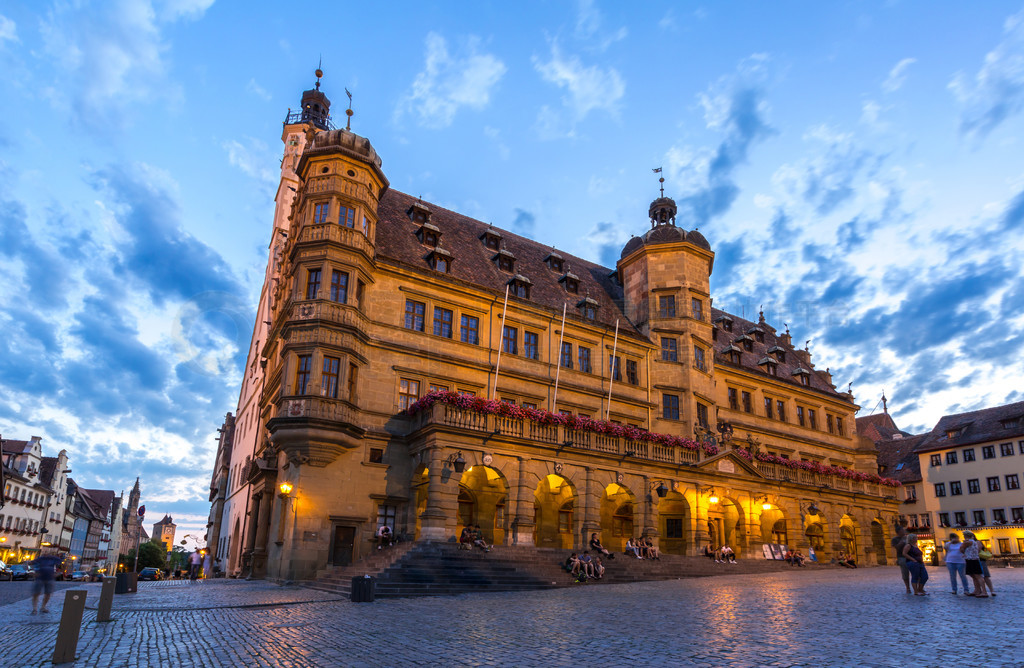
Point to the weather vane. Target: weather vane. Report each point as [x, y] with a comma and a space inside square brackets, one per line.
[661, 180]
[349, 112]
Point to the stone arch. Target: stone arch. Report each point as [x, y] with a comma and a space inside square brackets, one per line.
[419, 495]
[815, 531]
[774, 528]
[617, 516]
[879, 541]
[848, 539]
[726, 524]
[554, 512]
[235, 548]
[674, 519]
[483, 500]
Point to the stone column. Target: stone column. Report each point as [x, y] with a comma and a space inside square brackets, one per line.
[591, 518]
[754, 537]
[259, 553]
[650, 512]
[433, 519]
[522, 523]
[250, 533]
[700, 525]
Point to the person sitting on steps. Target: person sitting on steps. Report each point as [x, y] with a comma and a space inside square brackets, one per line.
[478, 539]
[571, 563]
[650, 551]
[708, 552]
[383, 536]
[595, 545]
[466, 538]
[631, 548]
[728, 556]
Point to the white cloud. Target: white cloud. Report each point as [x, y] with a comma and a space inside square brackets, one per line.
[171, 10]
[996, 92]
[8, 30]
[253, 158]
[588, 27]
[257, 90]
[448, 83]
[587, 89]
[897, 75]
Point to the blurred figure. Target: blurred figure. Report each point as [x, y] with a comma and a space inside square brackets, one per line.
[45, 566]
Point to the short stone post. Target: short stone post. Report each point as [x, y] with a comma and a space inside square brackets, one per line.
[70, 626]
[106, 599]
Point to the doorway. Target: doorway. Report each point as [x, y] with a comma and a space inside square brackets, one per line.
[341, 546]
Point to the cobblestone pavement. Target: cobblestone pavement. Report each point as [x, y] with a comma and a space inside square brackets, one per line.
[11, 592]
[858, 618]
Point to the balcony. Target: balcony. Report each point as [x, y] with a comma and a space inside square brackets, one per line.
[321, 309]
[344, 236]
[315, 430]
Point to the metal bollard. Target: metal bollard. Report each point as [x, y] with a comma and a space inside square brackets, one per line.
[106, 599]
[70, 626]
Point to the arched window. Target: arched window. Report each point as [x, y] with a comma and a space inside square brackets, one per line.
[779, 533]
[816, 536]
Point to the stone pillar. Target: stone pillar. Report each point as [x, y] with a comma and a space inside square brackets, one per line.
[650, 512]
[433, 519]
[700, 526]
[523, 523]
[755, 538]
[250, 533]
[591, 517]
[259, 553]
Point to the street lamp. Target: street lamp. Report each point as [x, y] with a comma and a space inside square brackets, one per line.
[765, 504]
[286, 489]
[456, 462]
[711, 499]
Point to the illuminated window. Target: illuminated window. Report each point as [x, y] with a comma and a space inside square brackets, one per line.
[408, 392]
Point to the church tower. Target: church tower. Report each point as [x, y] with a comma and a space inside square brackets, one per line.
[131, 522]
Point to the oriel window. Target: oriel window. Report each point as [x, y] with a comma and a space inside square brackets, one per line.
[302, 373]
[329, 377]
[320, 212]
[339, 287]
[312, 283]
[346, 216]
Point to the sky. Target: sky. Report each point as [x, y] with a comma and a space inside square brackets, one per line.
[855, 166]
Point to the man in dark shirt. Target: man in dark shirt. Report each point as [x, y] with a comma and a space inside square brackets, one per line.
[897, 542]
[45, 566]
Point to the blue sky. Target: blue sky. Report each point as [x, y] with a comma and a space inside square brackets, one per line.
[856, 167]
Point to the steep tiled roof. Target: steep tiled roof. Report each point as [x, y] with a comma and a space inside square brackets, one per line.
[898, 459]
[988, 424]
[12, 447]
[795, 359]
[473, 262]
[877, 427]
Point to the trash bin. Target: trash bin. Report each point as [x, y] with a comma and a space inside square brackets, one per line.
[363, 589]
[126, 583]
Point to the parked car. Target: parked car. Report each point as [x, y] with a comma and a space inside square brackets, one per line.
[5, 572]
[21, 572]
[150, 574]
[80, 576]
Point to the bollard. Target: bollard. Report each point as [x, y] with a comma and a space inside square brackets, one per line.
[106, 599]
[70, 625]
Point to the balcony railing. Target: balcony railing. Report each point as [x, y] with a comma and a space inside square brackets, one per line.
[563, 436]
[321, 309]
[314, 407]
[346, 236]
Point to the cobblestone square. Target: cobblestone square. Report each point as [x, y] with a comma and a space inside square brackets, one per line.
[824, 617]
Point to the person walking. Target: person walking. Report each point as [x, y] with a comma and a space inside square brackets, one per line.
[45, 566]
[970, 548]
[207, 566]
[915, 564]
[956, 563]
[898, 542]
[195, 560]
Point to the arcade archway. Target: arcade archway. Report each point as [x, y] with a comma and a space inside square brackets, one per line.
[725, 520]
[674, 517]
[554, 505]
[617, 516]
[483, 495]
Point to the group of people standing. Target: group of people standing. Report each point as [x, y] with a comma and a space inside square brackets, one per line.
[964, 558]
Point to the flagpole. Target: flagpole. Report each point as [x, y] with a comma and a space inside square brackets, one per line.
[611, 374]
[501, 344]
[558, 357]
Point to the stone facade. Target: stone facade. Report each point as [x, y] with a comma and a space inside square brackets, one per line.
[639, 409]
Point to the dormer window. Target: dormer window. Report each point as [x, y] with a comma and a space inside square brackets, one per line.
[780, 353]
[726, 322]
[803, 375]
[1010, 423]
[769, 365]
[506, 260]
[952, 433]
[571, 283]
[440, 260]
[419, 213]
[588, 308]
[733, 354]
[758, 334]
[714, 334]
[554, 262]
[746, 342]
[520, 287]
[428, 235]
[491, 238]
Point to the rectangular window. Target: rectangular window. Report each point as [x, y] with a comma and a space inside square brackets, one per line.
[565, 359]
[353, 376]
[800, 415]
[329, 377]
[999, 515]
[434, 387]
[697, 308]
[768, 412]
[936, 460]
[530, 348]
[702, 415]
[955, 489]
[951, 457]
[414, 315]
[748, 404]
[993, 483]
[1012, 481]
[668, 349]
[320, 212]
[960, 518]
[529, 404]
[510, 340]
[670, 406]
[302, 373]
[839, 426]
[673, 527]
[780, 408]
[408, 393]
[973, 486]
[828, 424]
[442, 322]
[632, 375]
[376, 455]
[812, 418]
[470, 330]
[584, 357]
[911, 492]
[312, 283]
[615, 367]
[979, 517]
[1006, 449]
[339, 287]
[988, 452]
[698, 358]
[969, 455]
[940, 489]
[1017, 515]
[667, 306]
[346, 216]
[734, 400]
[386, 515]
[944, 519]
[1020, 447]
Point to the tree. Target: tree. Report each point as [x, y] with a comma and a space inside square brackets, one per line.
[177, 558]
[153, 553]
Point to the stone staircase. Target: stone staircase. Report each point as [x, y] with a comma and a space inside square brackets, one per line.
[442, 569]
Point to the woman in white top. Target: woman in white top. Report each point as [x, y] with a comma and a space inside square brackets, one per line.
[969, 548]
[956, 563]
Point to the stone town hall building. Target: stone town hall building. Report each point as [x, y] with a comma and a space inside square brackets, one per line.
[640, 411]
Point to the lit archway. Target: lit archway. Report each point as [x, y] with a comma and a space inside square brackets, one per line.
[674, 517]
[420, 480]
[483, 495]
[725, 525]
[618, 507]
[554, 504]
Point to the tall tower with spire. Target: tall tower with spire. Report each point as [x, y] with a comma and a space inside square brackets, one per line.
[131, 522]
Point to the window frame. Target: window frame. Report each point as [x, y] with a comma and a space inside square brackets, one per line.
[321, 210]
[442, 327]
[303, 373]
[669, 406]
[415, 315]
[584, 358]
[993, 483]
[531, 345]
[940, 489]
[313, 276]
[666, 306]
[469, 328]
[669, 349]
[407, 394]
[330, 376]
[339, 286]
[510, 339]
[565, 356]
